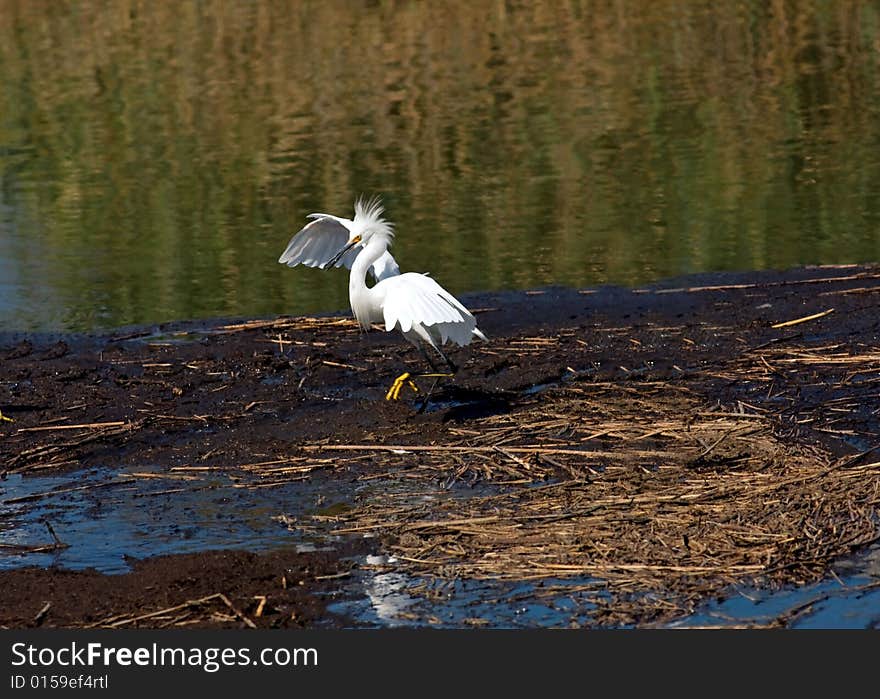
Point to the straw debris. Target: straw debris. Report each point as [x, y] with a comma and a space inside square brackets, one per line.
[645, 496]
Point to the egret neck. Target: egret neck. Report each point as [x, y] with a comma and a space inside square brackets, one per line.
[358, 291]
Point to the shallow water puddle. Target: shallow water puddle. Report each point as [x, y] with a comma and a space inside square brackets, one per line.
[391, 599]
[852, 601]
[105, 517]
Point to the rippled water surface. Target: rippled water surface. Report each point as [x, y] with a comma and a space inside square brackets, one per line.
[156, 157]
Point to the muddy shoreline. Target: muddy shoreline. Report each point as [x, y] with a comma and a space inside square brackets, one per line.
[281, 400]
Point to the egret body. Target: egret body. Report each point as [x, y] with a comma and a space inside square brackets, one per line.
[416, 305]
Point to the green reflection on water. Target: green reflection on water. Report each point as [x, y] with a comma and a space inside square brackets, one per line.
[156, 157]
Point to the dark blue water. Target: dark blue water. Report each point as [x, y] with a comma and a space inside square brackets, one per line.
[108, 517]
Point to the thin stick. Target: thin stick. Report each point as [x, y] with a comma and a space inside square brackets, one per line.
[327, 362]
[168, 610]
[85, 426]
[236, 611]
[758, 285]
[41, 615]
[60, 544]
[513, 458]
[60, 491]
[532, 449]
[797, 321]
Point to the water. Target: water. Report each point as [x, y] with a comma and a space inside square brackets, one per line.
[155, 158]
[107, 518]
[384, 599]
[389, 600]
[849, 600]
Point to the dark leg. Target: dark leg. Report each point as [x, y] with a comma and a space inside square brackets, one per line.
[427, 397]
[438, 374]
[448, 361]
[428, 358]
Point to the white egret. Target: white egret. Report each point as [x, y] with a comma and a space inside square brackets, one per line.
[423, 311]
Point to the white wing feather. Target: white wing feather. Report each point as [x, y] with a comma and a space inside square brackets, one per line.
[415, 299]
[318, 241]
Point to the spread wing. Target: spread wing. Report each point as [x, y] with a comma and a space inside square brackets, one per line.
[415, 299]
[318, 241]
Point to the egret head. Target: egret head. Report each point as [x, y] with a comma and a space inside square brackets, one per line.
[368, 223]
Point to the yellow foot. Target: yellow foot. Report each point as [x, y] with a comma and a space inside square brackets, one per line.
[3, 418]
[394, 391]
